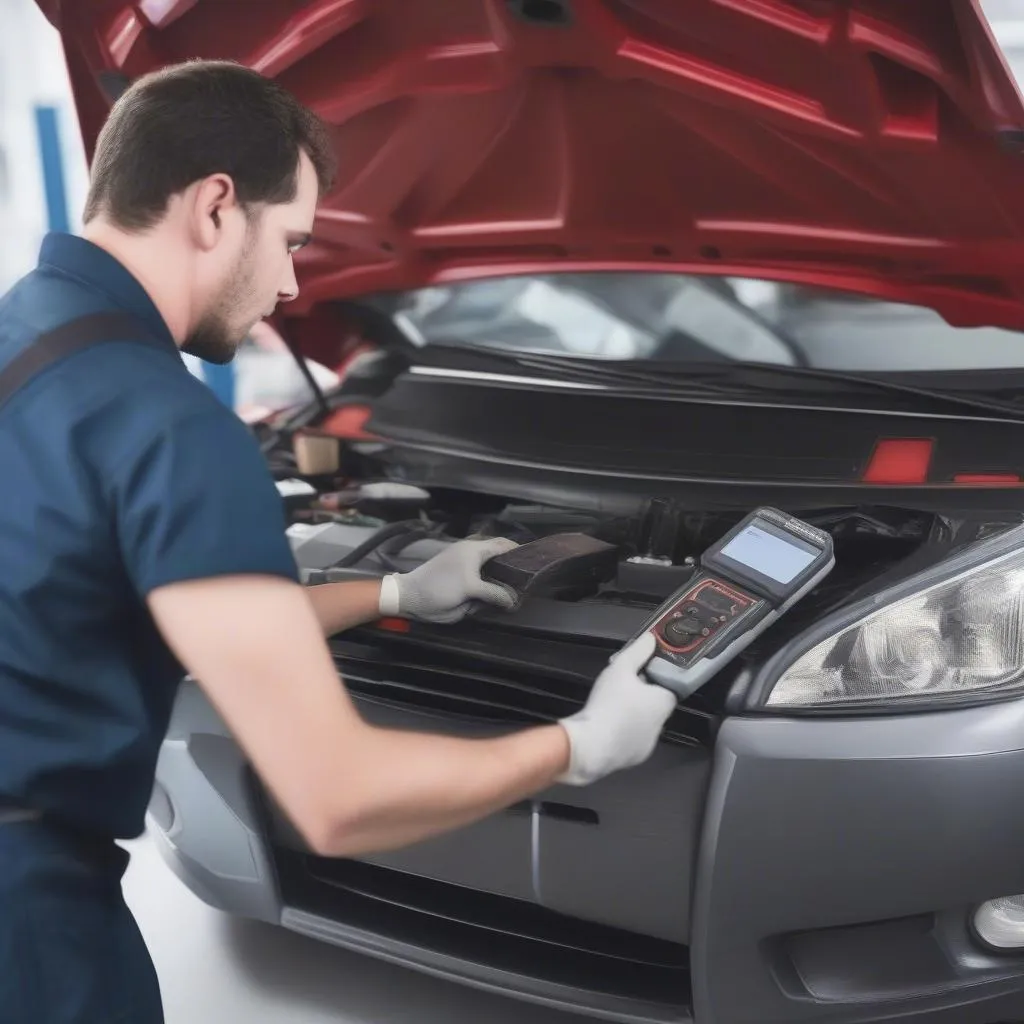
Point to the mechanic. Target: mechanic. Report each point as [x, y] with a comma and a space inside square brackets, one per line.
[142, 537]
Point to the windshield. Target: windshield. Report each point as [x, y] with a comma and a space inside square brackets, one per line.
[684, 318]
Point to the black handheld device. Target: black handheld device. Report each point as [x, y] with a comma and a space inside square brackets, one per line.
[746, 581]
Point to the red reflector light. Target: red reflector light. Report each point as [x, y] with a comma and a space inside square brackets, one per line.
[394, 625]
[990, 479]
[348, 422]
[899, 461]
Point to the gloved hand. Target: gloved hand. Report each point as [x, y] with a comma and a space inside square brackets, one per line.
[620, 724]
[445, 588]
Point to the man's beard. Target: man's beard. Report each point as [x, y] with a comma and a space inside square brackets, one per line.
[214, 339]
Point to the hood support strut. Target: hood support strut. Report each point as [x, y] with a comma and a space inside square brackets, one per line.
[318, 395]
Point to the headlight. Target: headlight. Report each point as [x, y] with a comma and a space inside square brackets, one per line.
[964, 634]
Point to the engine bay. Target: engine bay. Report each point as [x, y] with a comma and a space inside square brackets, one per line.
[369, 529]
[390, 527]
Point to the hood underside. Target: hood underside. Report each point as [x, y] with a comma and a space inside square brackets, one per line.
[869, 145]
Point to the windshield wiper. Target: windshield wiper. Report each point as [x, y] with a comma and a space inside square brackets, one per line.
[578, 370]
[746, 374]
[725, 380]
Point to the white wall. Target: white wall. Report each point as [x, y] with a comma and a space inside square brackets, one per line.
[32, 73]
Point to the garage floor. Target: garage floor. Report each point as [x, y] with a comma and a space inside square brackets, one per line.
[213, 969]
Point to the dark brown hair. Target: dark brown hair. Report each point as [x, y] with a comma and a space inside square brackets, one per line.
[183, 123]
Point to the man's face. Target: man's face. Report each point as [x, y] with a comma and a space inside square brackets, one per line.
[258, 273]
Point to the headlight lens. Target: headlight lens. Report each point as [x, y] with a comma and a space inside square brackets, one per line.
[964, 634]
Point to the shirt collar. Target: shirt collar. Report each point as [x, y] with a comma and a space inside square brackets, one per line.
[96, 268]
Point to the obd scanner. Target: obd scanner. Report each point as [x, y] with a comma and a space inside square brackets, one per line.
[746, 581]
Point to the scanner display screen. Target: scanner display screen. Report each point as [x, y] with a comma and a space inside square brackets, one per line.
[768, 554]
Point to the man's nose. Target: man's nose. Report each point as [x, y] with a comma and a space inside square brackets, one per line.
[290, 288]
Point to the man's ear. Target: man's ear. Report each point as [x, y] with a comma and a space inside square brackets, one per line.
[212, 199]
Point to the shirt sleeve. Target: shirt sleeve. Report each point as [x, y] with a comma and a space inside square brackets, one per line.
[198, 500]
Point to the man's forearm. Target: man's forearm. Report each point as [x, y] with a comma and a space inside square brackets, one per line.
[403, 787]
[255, 644]
[340, 606]
[408, 786]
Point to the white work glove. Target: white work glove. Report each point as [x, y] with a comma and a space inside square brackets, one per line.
[445, 588]
[622, 720]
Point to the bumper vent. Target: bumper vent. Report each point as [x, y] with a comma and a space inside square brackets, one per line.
[509, 938]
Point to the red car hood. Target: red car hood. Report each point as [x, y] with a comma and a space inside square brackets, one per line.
[872, 145]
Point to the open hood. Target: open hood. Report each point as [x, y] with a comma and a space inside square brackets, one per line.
[872, 145]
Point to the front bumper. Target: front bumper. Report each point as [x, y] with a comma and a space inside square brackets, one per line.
[836, 867]
[841, 862]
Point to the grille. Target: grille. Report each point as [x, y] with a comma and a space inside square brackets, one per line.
[517, 680]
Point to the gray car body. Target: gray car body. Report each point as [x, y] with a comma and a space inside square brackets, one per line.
[814, 870]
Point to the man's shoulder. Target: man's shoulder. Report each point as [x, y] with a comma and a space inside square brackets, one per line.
[118, 407]
[36, 304]
[140, 376]
[146, 394]
[171, 431]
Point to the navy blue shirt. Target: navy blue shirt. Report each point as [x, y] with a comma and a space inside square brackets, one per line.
[119, 472]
